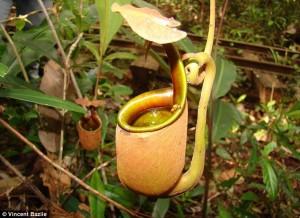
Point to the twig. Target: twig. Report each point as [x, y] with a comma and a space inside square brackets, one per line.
[60, 168]
[41, 196]
[61, 50]
[25, 75]
[67, 72]
[86, 177]
[72, 48]
[29, 184]
[25, 15]
[65, 87]
[224, 8]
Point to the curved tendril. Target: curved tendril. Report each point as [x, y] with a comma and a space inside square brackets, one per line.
[190, 178]
[196, 61]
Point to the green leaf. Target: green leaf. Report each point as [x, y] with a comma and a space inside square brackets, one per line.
[14, 82]
[93, 48]
[186, 45]
[3, 70]
[161, 208]
[222, 152]
[122, 195]
[40, 98]
[225, 116]
[120, 55]
[109, 22]
[180, 211]
[105, 122]
[269, 148]
[249, 196]
[269, 178]
[119, 90]
[294, 112]
[20, 24]
[223, 212]
[71, 204]
[144, 4]
[195, 192]
[97, 206]
[31, 45]
[254, 159]
[225, 76]
[109, 68]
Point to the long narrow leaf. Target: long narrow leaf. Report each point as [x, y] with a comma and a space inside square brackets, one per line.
[161, 208]
[269, 178]
[97, 206]
[40, 98]
[109, 22]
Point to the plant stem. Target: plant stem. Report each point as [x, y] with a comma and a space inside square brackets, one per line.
[207, 172]
[25, 75]
[19, 17]
[68, 173]
[191, 177]
[60, 48]
[211, 29]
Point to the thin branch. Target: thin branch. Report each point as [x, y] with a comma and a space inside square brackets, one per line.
[224, 8]
[67, 72]
[64, 95]
[41, 196]
[61, 50]
[60, 168]
[72, 48]
[88, 175]
[25, 75]
[22, 16]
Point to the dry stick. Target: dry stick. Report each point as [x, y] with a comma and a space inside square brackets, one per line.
[72, 176]
[86, 177]
[25, 75]
[67, 72]
[41, 196]
[22, 16]
[63, 54]
[220, 26]
[29, 184]
[72, 48]
[65, 87]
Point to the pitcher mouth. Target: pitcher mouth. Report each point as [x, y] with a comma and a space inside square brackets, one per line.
[160, 99]
[169, 103]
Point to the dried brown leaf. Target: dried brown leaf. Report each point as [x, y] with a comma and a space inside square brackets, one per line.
[85, 102]
[8, 184]
[56, 181]
[150, 24]
[52, 84]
